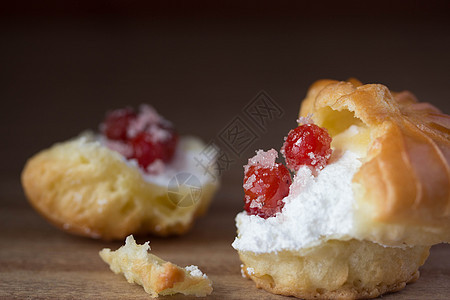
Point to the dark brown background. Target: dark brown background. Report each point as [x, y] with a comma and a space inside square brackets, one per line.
[64, 63]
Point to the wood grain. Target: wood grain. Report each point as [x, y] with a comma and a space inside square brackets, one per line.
[39, 261]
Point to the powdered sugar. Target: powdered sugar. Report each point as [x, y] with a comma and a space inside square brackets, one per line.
[305, 120]
[158, 134]
[299, 142]
[250, 271]
[156, 167]
[242, 271]
[256, 203]
[265, 159]
[312, 156]
[195, 271]
[317, 208]
[248, 184]
[147, 116]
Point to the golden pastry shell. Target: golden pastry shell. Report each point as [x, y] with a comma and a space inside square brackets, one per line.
[402, 189]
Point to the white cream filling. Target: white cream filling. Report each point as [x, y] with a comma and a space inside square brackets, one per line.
[188, 158]
[317, 208]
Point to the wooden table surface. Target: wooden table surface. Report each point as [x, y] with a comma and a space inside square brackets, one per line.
[38, 261]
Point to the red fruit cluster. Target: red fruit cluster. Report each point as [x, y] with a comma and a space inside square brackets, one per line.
[266, 186]
[155, 140]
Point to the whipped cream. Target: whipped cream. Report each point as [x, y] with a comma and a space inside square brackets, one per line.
[185, 160]
[317, 208]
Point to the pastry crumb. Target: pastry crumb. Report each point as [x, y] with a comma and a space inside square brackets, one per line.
[157, 276]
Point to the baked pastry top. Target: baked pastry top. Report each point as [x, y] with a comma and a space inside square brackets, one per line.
[158, 277]
[402, 188]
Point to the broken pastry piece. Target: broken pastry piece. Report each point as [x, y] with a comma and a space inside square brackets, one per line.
[158, 277]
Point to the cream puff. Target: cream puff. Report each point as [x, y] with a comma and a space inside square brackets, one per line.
[370, 194]
[135, 176]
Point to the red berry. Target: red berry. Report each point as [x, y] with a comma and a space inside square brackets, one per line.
[308, 144]
[265, 188]
[154, 143]
[144, 149]
[116, 123]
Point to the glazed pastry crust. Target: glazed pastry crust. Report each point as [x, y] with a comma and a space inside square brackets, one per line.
[335, 270]
[403, 187]
[158, 277]
[87, 189]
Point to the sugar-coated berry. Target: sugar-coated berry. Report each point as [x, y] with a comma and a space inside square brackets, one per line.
[265, 188]
[144, 149]
[147, 147]
[145, 137]
[116, 123]
[308, 144]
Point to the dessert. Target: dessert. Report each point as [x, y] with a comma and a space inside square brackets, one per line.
[135, 176]
[158, 277]
[369, 196]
